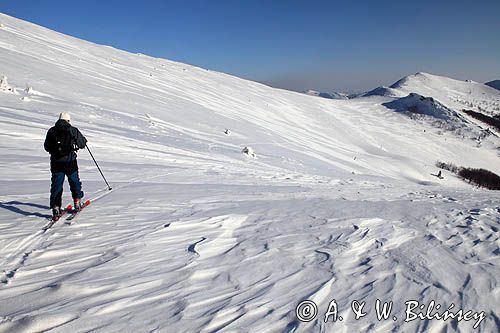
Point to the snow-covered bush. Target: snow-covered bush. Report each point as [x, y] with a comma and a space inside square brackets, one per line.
[448, 166]
[4, 85]
[227, 132]
[3, 82]
[248, 151]
[29, 90]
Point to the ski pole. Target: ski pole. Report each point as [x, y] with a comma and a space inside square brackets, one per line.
[109, 187]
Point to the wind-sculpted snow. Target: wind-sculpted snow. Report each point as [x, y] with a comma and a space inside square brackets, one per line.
[337, 203]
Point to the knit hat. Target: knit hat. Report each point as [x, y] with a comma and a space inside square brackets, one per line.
[65, 116]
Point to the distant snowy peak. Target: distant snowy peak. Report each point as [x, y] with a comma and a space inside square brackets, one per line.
[454, 94]
[421, 80]
[494, 84]
[408, 84]
[400, 88]
[420, 77]
[329, 95]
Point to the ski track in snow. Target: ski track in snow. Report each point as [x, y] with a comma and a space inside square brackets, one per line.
[339, 201]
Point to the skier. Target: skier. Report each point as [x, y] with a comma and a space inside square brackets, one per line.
[62, 142]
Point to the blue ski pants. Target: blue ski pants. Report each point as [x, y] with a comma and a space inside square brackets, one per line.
[57, 182]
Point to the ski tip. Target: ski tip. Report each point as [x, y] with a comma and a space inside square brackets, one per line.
[87, 202]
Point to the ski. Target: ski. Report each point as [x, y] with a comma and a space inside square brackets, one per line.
[70, 218]
[53, 221]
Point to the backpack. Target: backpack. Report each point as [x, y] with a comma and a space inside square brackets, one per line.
[64, 143]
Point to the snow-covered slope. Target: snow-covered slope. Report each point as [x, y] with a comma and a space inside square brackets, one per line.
[338, 202]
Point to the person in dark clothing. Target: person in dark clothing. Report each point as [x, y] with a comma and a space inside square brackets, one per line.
[62, 142]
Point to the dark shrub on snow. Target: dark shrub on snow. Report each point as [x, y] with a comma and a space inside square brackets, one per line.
[481, 177]
[492, 121]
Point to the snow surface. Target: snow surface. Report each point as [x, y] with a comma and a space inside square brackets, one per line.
[338, 203]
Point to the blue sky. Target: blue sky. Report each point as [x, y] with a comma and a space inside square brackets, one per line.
[323, 45]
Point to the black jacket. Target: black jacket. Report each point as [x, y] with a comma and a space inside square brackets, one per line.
[50, 145]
